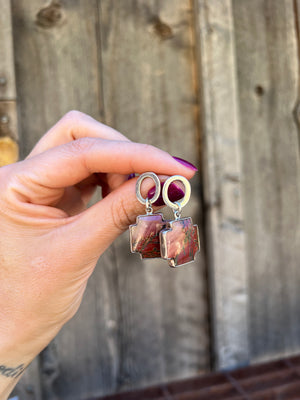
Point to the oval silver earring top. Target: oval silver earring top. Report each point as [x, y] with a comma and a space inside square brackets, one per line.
[178, 205]
[139, 196]
[144, 235]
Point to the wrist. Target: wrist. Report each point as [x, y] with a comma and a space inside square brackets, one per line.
[15, 357]
[16, 353]
[11, 370]
[9, 376]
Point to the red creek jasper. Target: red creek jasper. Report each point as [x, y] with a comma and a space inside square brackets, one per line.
[144, 235]
[179, 241]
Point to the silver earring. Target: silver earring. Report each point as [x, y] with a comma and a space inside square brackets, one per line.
[179, 241]
[144, 235]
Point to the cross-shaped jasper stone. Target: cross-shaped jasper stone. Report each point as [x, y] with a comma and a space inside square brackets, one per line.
[179, 242]
[144, 235]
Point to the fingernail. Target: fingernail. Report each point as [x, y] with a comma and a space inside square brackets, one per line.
[175, 193]
[131, 176]
[186, 163]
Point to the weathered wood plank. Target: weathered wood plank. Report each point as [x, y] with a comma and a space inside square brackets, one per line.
[8, 111]
[56, 51]
[56, 63]
[223, 176]
[138, 324]
[30, 387]
[268, 79]
[149, 94]
[7, 73]
[8, 119]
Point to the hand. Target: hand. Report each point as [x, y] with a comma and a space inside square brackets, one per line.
[50, 241]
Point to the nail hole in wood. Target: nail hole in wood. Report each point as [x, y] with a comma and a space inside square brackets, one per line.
[259, 90]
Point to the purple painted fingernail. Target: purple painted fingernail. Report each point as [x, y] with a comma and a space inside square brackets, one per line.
[175, 193]
[186, 163]
[131, 176]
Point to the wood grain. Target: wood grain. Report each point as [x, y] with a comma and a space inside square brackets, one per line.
[222, 167]
[7, 72]
[64, 74]
[8, 119]
[267, 50]
[217, 83]
[138, 323]
[8, 110]
[149, 94]
[57, 70]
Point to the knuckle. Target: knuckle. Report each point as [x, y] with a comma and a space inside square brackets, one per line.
[73, 116]
[148, 148]
[80, 148]
[9, 188]
[71, 120]
[121, 216]
[81, 145]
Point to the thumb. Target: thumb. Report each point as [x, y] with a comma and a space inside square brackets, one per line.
[101, 224]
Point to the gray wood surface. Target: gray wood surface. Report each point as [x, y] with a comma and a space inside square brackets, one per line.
[132, 67]
[30, 388]
[222, 182]
[149, 93]
[8, 119]
[7, 72]
[217, 83]
[267, 54]
[64, 75]
[8, 110]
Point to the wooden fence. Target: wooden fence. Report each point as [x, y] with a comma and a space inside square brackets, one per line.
[215, 82]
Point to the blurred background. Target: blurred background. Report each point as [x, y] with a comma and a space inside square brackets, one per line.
[215, 82]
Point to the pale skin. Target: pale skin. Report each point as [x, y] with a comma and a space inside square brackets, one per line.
[50, 241]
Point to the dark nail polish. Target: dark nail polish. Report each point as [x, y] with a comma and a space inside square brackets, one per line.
[131, 176]
[186, 163]
[175, 193]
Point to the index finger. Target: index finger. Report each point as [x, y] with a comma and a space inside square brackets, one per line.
[70, 163]
[75, 125]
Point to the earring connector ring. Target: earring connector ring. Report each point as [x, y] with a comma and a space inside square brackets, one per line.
[179, 204]
[156, 180]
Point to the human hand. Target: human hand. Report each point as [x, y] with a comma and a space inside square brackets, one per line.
[50, 241]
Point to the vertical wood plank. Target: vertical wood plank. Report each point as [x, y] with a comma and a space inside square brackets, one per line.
[149, 94]
[268, 79]
[138, 323]
[8, 119]
[29, 387]
[56, 51]
[8, 111]
[56, 63]
[223, 177]
[7, 72]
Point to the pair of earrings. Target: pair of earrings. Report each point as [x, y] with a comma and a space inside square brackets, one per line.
[175, 241]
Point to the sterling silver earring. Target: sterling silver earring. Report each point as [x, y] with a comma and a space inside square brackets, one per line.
[179, 240]
[144, 235]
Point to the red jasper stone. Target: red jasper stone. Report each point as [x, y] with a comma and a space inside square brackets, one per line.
[179, 241]
[144, 235]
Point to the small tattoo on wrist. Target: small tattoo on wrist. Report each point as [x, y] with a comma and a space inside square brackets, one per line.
[11, 372]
